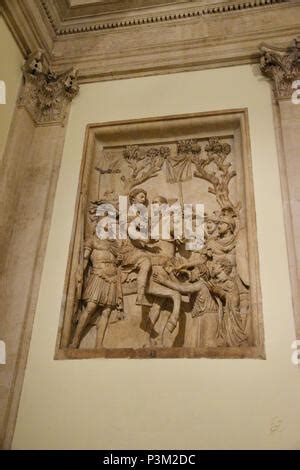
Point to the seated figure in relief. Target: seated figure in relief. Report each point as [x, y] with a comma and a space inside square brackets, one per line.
[135, 253]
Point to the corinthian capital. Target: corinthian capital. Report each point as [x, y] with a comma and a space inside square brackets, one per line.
[46, 94]
[282, 66]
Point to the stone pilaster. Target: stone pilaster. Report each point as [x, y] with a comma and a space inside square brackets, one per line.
[29, 174]
[282, 66]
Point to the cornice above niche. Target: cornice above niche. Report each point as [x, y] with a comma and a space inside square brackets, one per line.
[164, 38]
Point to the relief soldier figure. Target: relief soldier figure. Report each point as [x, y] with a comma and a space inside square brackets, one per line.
[101, 292]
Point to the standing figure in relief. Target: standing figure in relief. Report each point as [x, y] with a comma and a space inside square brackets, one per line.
[134, 252]
[232, 243]
[226, 289]
[102, 287]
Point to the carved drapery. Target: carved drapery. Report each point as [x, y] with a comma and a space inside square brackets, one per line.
[46, 94]
[281, 66]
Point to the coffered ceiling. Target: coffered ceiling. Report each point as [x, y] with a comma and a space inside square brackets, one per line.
[109, 39]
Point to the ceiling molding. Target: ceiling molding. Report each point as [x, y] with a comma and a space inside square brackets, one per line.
[88, 22]
[169, 38]
[120, 7]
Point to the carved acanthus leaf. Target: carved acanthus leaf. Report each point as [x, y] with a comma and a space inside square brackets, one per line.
[282, 66]
[46, 94]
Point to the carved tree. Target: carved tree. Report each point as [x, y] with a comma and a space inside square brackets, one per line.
[189, 147]
[143, 164]
[217, 154]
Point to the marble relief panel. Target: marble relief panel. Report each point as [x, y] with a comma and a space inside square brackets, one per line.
[133, 290]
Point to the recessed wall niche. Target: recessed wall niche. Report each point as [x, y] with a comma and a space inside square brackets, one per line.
[154, 298]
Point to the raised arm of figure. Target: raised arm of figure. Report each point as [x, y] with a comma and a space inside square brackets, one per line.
[183, 288]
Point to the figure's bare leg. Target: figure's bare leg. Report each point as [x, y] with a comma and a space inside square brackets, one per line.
[161, 291]
[154, 313]
[144, 266]
[153, 317]
[102, 326]
[82, 324]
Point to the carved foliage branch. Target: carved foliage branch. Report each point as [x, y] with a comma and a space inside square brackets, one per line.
[216, 153]
[45, 93]
[143, 164]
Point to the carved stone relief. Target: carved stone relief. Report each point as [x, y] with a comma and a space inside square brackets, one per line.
[129, 297]
[46, 94]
